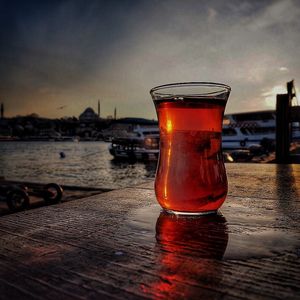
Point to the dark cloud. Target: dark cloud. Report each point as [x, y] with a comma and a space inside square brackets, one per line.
[55, 53]
[59, 41]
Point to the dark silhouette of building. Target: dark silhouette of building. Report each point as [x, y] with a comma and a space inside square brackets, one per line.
[115, 114]
[98, 108]
[88, 115]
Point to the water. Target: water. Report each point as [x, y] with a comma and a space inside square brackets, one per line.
[85, 164]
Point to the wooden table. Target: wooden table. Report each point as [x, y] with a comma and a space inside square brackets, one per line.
[118, 245]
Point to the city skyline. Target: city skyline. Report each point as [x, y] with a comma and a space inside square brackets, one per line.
[59, 57]
[96, 111]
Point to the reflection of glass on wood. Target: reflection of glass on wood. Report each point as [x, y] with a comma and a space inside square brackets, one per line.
[190, 250]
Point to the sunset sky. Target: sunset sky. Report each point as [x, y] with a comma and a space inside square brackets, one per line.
[59, 57]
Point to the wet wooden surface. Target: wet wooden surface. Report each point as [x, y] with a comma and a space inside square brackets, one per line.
[118, 245]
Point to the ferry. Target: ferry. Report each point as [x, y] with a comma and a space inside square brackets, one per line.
[141, 144]
[240, 131]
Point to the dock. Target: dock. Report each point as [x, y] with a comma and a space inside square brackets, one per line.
[120, 245]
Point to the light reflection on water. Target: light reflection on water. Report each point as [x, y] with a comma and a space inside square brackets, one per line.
[85, 164]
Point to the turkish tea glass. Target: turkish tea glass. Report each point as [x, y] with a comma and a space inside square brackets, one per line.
[191, 176]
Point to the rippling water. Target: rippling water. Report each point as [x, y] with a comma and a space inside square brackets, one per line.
[85, 164]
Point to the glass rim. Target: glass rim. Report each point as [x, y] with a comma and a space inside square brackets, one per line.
[223, 88]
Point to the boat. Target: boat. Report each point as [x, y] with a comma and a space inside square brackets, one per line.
[140, 144]
[240, 131]
[243, 130]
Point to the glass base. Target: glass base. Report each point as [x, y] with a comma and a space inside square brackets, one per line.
[186, 213]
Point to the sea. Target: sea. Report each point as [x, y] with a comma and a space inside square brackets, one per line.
[86, 164]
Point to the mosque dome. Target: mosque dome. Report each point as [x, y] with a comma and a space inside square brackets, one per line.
[88, 115]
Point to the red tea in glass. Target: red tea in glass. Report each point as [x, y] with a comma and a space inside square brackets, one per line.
[191, 176]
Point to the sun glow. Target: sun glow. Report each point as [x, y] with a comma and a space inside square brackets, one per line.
[270, 95]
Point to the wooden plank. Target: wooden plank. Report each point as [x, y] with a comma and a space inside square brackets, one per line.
[118, 245]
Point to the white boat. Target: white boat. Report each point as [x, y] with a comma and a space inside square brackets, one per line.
[141, 144]
[241, 130]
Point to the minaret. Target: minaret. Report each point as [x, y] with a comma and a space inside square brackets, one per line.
[115, 114]
[98, 108]
[2, 111]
